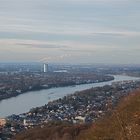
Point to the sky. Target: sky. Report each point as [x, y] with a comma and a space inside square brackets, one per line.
[70, 31]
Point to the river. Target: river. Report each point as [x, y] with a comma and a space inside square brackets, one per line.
[24, 102]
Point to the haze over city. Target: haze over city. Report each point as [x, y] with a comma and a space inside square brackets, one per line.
[70, 31]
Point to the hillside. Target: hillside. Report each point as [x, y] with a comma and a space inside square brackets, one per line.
[122, 124]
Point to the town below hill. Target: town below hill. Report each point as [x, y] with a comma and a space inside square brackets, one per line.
[121, 123]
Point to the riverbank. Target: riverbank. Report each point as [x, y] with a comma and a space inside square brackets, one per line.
[24, 102]
[82, 107]
[17, 84]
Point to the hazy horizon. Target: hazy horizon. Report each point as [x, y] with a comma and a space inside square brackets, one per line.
[70, 31]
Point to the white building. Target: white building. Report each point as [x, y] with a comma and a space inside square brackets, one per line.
[45, 68]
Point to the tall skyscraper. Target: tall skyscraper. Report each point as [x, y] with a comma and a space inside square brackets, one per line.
[45, 68]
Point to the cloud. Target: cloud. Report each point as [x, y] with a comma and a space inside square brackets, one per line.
[30, 43]
[67, 30]
[117, 34]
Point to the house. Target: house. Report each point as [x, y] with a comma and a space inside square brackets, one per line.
[2, 122]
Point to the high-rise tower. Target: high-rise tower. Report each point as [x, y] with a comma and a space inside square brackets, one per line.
[45, 68]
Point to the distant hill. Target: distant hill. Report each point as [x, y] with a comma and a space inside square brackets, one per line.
[123, 123]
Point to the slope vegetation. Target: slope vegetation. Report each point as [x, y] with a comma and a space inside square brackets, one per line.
[123, 124]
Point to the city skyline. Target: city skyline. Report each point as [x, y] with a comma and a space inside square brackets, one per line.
[70, 31]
